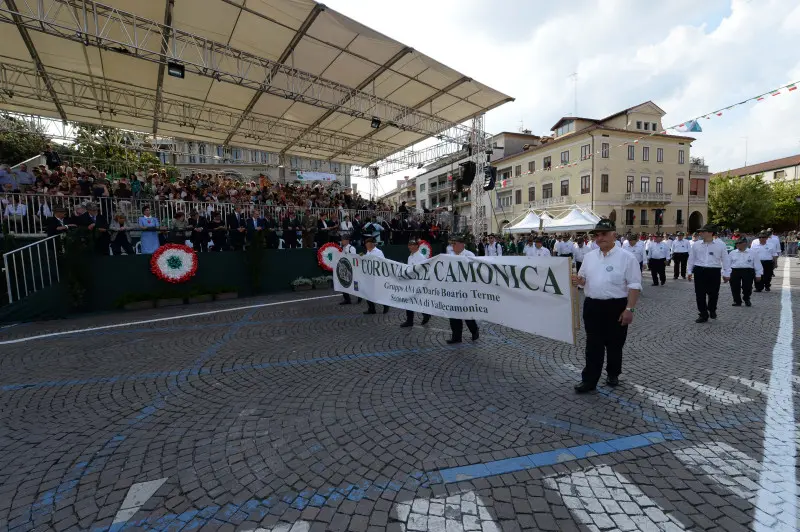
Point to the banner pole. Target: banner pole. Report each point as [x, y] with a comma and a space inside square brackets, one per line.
[576, 314]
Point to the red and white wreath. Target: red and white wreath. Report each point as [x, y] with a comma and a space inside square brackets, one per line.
[325, 255]
[425, 249]
[174, 263]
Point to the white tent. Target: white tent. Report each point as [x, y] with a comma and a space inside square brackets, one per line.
[531, 222]
[575, 220]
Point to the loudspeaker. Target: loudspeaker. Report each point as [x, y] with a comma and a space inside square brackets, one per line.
[467, 173]
[489, 177]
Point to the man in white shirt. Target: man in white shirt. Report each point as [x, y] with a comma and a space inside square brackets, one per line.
[612, 281]
[563, 247]
[680, 255]
[374, 252]
[766, 253]
[657, 259]
[347, 249]
[414, 257]
[708, 260]
[592, 244]
[493, 248]
[457, 326]
[538, 249]
[775, 242]
[745, 268]
[579, 251]
[636, 248]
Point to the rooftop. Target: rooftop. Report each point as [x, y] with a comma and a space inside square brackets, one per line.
[760, 168]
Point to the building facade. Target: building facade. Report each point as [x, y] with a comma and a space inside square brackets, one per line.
[404, 191]
[643, 184]
[784, 169]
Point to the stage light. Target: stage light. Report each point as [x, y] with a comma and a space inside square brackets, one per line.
[176, 70]
[376, 122]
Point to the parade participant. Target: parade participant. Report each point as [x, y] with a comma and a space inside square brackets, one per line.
[457, 326]
[695, 239]
[373, 251]
[680, 255]
[494, 248]
[414, 257]
[592, 245]
[775, 241]
[636, 248]
[707, 260]
[766, 253]
[579, 251]
[612, 282]
[745, 267]
[658, 256]
[565, 247]
[347, 249]
[539, 250]
[530, 247]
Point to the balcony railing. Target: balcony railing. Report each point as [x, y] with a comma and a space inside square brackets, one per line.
[648, 197]
[549, 202]
[698, 199]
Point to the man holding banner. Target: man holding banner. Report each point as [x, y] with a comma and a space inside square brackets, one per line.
[373, 251]
[415, 257]
[457, 325]
[612, 280]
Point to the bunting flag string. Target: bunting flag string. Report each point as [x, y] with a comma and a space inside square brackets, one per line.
[719, 112]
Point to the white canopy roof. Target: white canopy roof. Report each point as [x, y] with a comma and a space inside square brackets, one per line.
[575, 220]
[288, 76]
[526, 225]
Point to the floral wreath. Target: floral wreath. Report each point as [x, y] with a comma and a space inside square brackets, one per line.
[425, 249]
[174, 263]
[325, 255]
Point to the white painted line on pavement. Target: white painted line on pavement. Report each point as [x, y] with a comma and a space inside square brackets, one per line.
[726, 465]
[670, 403]
[760, 387]
[602, 498]
[156, 320]
[776, 504]
[457, 513]
[718, 394]
[136, 497]
[297, 526]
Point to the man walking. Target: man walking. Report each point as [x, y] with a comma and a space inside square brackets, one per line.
[767, 254]
[374, 252]
[414, 257]
[347, 249]
[658, 255]
[680, 255]
[612, 281]
[457, 326]
[707, 260]
[579, 251]
[494, 248]
[745, 267]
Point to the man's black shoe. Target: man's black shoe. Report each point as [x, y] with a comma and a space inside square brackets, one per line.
[584, 387]
[701, 319]
[712, 314]
[344, 302]
[426, 319]
[385, 310]
[475, 335]
[453, 341]
[736, 305]
[612, 381]
[748, 304]
[766, 289]
[655, 284]
[407, 324]
[663, 283]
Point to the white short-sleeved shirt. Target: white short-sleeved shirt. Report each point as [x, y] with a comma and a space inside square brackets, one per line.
[610, 276]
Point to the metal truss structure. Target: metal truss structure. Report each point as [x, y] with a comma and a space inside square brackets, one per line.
[108, 28]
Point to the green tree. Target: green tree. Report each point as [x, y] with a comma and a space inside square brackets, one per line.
[19, 141]
[107, 148]
[786, 208]
[743, 203]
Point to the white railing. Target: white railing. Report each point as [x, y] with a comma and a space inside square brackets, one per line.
[654, 197]
[31, 268]
[549, 202]
[698, 199]
[29, 221]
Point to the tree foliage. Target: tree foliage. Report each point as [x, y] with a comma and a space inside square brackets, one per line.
[107, 147]
[786, 208]
[743, 203]
[18, 140]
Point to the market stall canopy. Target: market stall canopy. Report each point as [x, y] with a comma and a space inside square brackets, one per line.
[288, 76]
[575, 220]
[531, 222]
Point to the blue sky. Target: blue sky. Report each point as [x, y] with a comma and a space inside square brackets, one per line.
[689, 56]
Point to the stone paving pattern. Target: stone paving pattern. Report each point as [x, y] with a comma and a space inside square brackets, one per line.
[311, 416]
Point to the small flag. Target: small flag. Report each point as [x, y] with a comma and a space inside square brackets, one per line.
[719, 114]
[691, 125]
[775, 93]
[792, 88]
[761, 98]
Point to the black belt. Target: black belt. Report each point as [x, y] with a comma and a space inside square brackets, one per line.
[707, 267]
[617, 300]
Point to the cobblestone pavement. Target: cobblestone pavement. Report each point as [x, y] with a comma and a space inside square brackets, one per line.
[276, 414]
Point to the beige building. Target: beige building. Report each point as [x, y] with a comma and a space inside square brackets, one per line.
[644, 184]
[785, 169]
[404, 191]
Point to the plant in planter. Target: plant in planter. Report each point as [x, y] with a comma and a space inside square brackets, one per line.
[302, 283]
[323, 281]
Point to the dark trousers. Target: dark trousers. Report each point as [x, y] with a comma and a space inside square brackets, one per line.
[120, 244]
[347, 299]
[578, 267]
[605, 337]
[766, 277]
[457, 327]
[658, 269]
[680, 264]
[410, 316]
[706, 289]
[742, 284]
[371, 307]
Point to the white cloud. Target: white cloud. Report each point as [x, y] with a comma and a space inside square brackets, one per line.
[690, 57]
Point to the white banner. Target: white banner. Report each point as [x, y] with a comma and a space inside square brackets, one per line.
[532, 294]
